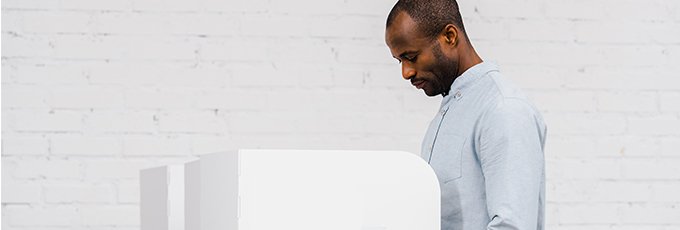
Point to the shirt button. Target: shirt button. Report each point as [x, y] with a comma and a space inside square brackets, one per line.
[457, 95]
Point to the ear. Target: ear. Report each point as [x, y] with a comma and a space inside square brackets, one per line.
[450, 33]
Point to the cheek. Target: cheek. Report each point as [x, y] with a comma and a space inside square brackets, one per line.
[429, 69]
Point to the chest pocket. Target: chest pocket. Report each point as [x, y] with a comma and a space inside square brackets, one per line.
[446, 159]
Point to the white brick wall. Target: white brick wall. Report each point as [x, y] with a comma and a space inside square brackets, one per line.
[92, 91]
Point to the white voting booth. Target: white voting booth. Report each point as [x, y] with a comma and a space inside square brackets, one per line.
[292, 189]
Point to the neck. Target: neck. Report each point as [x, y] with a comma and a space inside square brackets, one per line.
[468, 59]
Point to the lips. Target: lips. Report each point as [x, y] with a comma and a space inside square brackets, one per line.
[418, 83]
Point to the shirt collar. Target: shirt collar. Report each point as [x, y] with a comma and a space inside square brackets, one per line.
[466, 79]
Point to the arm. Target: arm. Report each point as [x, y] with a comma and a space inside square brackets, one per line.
[511, 156]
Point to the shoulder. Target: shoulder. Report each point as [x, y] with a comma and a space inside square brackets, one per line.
[510, 104]
[505, 87]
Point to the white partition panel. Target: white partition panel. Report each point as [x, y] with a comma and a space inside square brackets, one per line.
[162, 198]
[311, 189]
[192, 192]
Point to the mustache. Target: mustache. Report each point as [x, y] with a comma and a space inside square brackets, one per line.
[415, 79]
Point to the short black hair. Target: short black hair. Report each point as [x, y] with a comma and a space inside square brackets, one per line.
[431, 16]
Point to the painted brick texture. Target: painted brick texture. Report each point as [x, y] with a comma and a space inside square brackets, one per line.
[93, 91]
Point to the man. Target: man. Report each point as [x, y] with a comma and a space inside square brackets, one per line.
[486, 143]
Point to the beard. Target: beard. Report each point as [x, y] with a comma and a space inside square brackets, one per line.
[446, 72]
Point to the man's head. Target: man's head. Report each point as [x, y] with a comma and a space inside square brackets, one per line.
[428, 39]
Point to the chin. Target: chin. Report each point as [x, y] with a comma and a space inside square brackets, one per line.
[430, 93]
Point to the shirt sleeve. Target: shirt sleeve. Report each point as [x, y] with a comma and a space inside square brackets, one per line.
[511, 155]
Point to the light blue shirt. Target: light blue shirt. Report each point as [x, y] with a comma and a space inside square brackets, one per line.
[486, 147]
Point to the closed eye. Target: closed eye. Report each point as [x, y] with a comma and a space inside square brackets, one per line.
[411, 58]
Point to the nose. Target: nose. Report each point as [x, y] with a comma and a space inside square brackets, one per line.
[407, 71]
